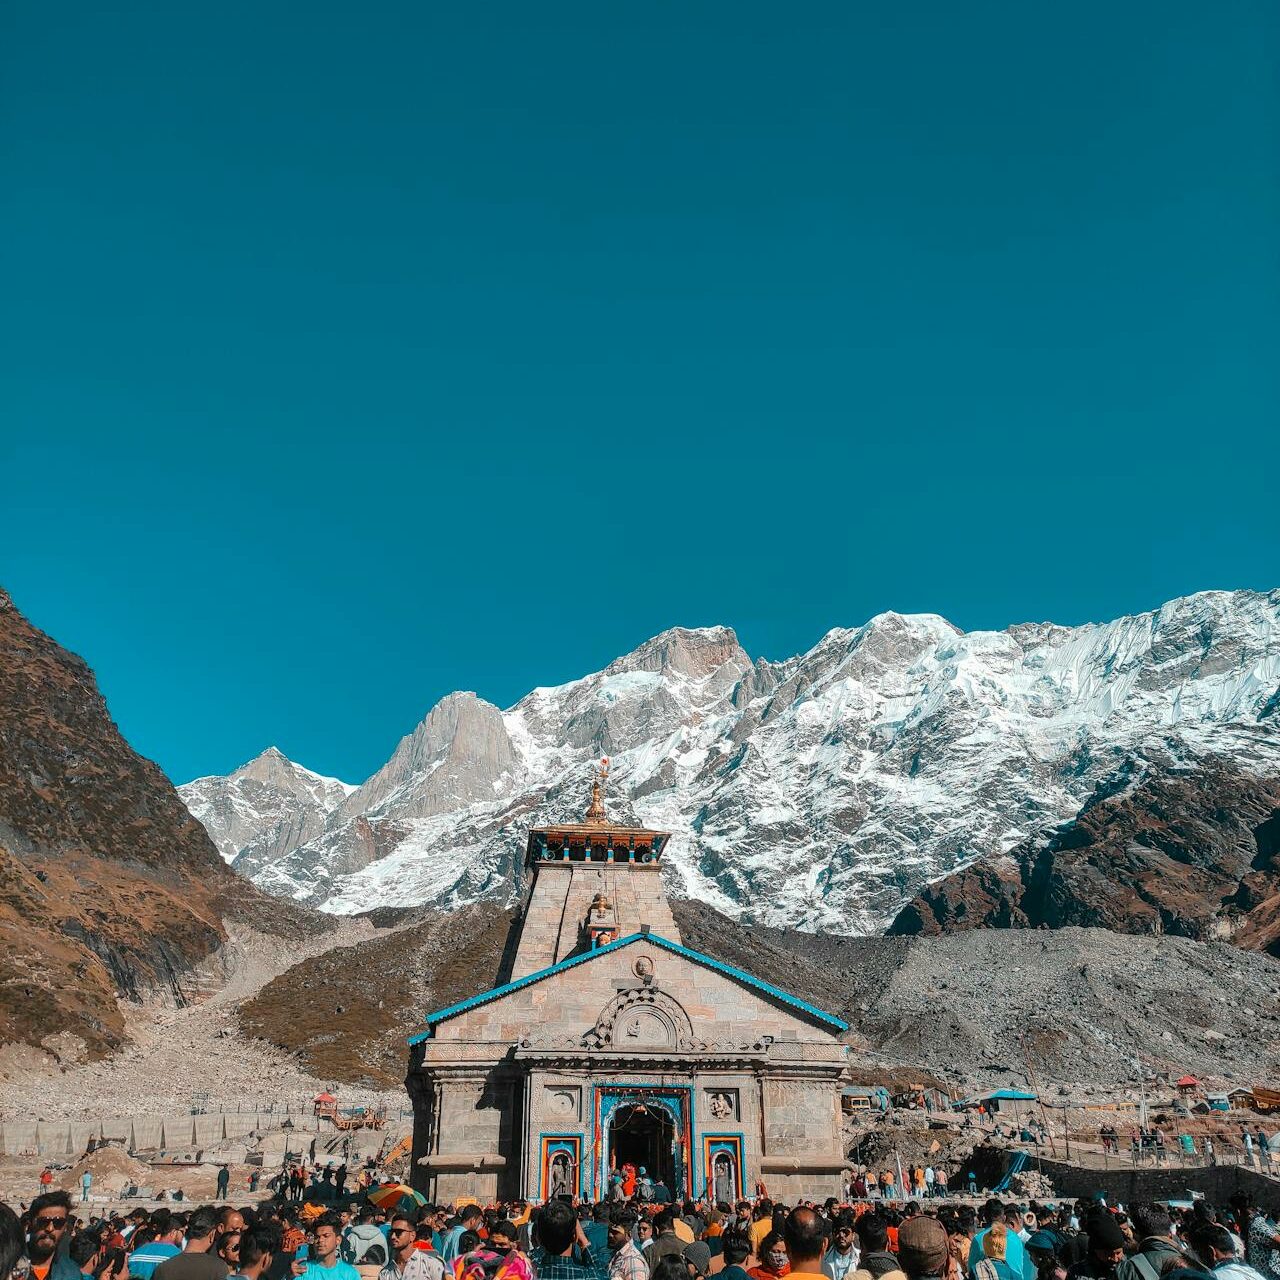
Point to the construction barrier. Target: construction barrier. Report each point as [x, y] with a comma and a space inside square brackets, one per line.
[179, 1133]
[146, 1133]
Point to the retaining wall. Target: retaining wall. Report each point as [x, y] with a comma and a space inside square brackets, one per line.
[174, 1133]
[1218, 1183]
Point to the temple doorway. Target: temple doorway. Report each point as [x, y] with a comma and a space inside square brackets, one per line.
[643, 1135]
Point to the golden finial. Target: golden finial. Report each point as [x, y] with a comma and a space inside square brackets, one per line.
[595, 813]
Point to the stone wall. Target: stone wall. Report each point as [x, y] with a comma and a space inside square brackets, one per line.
[801, 1118]
[1124, 1186]
[464, 1138]
[140, 1133]
[561, 898]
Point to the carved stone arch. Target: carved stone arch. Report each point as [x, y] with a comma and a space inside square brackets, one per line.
[643, 1018]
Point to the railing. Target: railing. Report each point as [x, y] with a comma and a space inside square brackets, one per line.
[203, 1105]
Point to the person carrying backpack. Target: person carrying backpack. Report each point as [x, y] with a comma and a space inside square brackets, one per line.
[364, 1246]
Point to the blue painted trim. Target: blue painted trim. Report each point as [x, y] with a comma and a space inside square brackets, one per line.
[658, 1095]
[740, 1155]
[774, 993]
[547, 1148]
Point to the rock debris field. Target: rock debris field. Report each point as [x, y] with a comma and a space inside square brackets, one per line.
[1085, 1002]
[177, 1055]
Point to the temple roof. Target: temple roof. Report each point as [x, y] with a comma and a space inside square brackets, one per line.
[829, 1021]
[572, 840]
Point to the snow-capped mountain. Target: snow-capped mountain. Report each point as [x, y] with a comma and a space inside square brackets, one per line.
[265, 809]
[822, 791]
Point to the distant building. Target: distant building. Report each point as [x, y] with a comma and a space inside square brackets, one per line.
[919, 1097]
[1006, 1104]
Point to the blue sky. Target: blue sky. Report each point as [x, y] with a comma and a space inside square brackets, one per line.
[354, 354]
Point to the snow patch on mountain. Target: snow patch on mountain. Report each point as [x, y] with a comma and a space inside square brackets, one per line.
[265, 808]
[821, 791]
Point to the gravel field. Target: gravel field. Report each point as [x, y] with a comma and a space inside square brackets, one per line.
[176, 1054]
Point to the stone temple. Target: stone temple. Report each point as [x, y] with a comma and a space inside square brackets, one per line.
[612, 1044]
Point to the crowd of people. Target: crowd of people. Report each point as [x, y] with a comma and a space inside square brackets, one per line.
[942, 1239]
[920, 1181]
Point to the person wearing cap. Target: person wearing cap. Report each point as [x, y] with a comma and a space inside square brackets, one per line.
[1043, 1248]
[1106, 1250]
[923, 1249]
[698, 1256]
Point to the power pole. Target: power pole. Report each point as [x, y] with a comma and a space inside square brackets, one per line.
[1035, 1084]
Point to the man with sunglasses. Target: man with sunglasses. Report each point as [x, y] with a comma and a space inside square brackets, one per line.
[842, 1258]
[256, 1251]
[48, 1222]
[408, 1262]
[230, 1223]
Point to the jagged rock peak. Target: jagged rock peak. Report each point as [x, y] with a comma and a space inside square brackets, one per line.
[461, 724]
[272, 766]
[891, 634]
[456, 754]
[686, 651]
[265, 807]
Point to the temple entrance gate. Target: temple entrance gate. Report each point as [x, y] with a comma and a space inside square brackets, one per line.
[646, 1129]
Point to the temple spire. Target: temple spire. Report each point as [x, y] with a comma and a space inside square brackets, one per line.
[595, 811]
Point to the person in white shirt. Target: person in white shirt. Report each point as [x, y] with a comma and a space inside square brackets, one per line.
[841, 1260]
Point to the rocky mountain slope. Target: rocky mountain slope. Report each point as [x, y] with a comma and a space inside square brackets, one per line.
[824, 791]
[973, 1008]
[1189, 851]
[342, 1027]
[108, 886]
[958, 1008]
